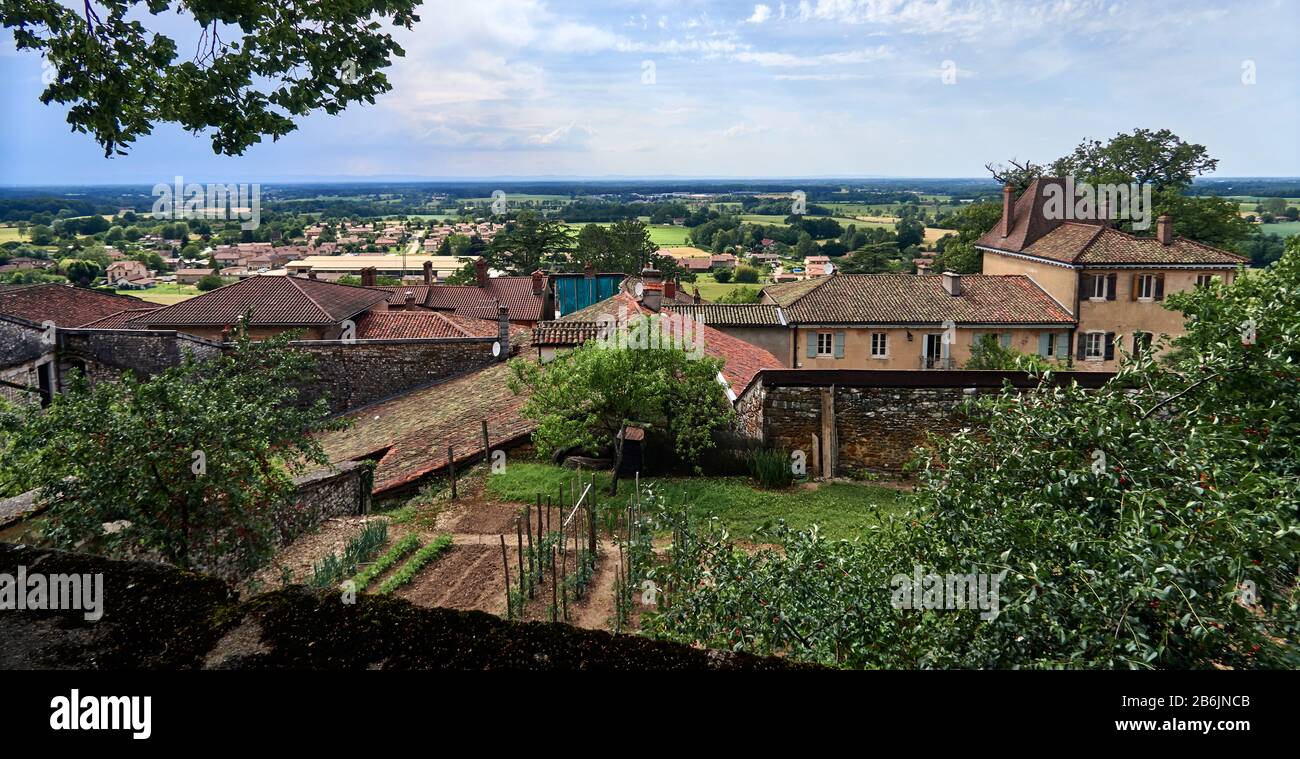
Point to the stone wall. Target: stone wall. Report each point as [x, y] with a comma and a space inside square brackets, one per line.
[872, 420]
[341, 490]
[103, 353]
[360, 372]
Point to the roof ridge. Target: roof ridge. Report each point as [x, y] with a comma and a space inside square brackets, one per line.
[1100, 229]
[295, 282]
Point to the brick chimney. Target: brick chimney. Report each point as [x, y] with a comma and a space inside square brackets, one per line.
[952, 283]
[1007, 204]
[428, 272]
[503, 332]
[410, 301]
[1165, 229]
[652, 289]
[670, 290]
[539, 282]
[369, 276]
[481, 271]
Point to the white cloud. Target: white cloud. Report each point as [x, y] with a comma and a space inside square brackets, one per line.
[761, 13]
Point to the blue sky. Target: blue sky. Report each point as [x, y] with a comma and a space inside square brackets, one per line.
[800, 89]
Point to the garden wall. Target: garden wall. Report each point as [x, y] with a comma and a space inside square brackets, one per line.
[849, 420]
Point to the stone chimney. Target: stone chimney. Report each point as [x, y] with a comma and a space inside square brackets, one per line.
[369, 276]
[428, 272]
[539, 282]
[670, 290]
[1165, 229]
[503, 332]
[410, 301]
[952, 283]
[1007, 204]
[481, 271]
[652, 289]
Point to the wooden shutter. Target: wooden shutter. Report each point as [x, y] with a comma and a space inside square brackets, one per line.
[1089, 287]
[1044, 347]
[812, 344]
[1137, 282]
[1082, 337]
[1112, 280]
[839, 344]
[1160, 287]
[1110, 346]
[1063, 345]
[1006, 339]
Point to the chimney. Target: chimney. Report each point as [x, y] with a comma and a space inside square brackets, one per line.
[410, 301]
[428, 272]
[696, 297]
[652, 289]
[670, 290]
[503, 332]
[368, 276]
[481, 271]
[539, 282]
[1007, 192]
[1165, 229]
[952, 283]
[311, 274]
[589, 270]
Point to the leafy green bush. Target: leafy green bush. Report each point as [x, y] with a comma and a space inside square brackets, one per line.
[410, 569]
[393, 555]
[770, 467]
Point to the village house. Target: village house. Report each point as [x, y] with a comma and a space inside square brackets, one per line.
[129, 275]
[1111, 283]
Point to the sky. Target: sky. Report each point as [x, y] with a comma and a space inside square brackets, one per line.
[818, 88]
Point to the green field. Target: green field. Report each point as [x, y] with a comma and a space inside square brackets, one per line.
[1283, 229]
[711, 289]
[165, 293]
[841, 510]
[10, 234]
[663, 235]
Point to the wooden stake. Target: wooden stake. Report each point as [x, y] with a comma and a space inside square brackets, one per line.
[451, 465]
[519, 535]
[532, 578]
[505, 564]
[487, 453]
[555, 606]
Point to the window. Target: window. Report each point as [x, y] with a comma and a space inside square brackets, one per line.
[825, 344]
[1099, 288]
[1096, 346]
[1146, 286]
[1204, 280]
[1049, 344]
[879, 345]
[1142, 342]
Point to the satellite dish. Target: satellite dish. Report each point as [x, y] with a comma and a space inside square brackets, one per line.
[640, 289]
[496, 348]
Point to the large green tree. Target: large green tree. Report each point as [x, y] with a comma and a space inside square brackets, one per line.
[258, 64]
[530, 243]
[194, 465]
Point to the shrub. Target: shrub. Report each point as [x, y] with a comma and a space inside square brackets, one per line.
[722, 276]
[770, 467]
[746, 274]
[393, 555]
[411, 568]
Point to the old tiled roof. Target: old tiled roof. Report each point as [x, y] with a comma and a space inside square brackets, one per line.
[397, 294]
[786, 293]
[410, 433]
[393, 325]
[119, 320]
[65, 305]
[922, 299]
[733, 315]
[273, 301]
[515, 293]
[565, 332]
[1082, 243]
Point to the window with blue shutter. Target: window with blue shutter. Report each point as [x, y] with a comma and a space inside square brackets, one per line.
[1045, 345]
[839, 344]
[1006, 339]
[812, 344]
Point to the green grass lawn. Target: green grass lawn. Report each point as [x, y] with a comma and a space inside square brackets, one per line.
[663, 235]
[1282, 229]
[711, 289]
[9, 234]
[841, 510]
[165, 293]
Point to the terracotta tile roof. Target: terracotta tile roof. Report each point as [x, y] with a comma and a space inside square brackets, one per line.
[394, 325]
[786, 293]
[921, 299]
[515, 293]
[565, 332]
[119, 320]
[733, 315]
[273, 301]
[397, 294]
[412, 431]
[1083, 243]
[65, 305]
